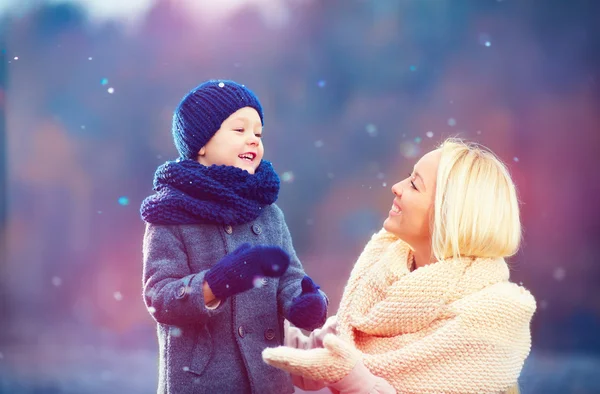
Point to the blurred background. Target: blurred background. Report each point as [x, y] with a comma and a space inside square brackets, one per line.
[354, 91]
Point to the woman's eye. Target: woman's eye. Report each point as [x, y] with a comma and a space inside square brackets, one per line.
[412, 184]
[239, 130]
[258, 135]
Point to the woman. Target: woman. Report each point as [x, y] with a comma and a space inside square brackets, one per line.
[429, 307]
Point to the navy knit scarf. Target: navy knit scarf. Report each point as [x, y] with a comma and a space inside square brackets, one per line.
[188, 192]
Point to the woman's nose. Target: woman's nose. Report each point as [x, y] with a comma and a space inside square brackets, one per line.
[397, 189]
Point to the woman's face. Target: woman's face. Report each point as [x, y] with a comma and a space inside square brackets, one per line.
[409, 218]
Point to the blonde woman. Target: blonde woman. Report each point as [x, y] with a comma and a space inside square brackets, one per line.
[429, 307]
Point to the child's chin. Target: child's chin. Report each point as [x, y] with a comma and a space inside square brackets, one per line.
[251, 169]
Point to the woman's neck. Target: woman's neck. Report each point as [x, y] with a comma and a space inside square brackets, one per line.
[422, 256]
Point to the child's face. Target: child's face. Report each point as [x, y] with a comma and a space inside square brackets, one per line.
[237, 143]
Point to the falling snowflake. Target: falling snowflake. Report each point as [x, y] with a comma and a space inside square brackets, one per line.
[429, 134]
[559, 274]
[175, 331]
[372, 130]
[485, 39]
[287, 177]
[409, 150]
[118, 296]
[319, 144]
[451, 122]
[257, 282]
[56, 281]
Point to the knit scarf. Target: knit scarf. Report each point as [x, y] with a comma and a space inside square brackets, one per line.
[188, 192]
[440, 327]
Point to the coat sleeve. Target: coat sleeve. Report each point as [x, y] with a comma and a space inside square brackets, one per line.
[172, 293]
[289, 283]
[481, 349]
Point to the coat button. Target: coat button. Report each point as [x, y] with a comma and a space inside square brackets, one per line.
[180, 292]
[264, 281]
[256, 229]
[269, 334]
[228, 229]
[241, 331]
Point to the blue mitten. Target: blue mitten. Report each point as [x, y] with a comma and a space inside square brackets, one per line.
[309, 309]
[236, 272]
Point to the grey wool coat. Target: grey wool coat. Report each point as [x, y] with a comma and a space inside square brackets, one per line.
[218, 350]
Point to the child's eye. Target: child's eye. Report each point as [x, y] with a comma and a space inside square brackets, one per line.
[258, 135]
[239, 130]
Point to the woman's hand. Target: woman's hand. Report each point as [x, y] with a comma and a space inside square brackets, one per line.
[329, 364]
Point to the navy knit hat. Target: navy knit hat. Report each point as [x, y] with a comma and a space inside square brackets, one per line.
[200, 113]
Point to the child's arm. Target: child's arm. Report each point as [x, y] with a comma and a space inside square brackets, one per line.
[299, 298]
[173, 295]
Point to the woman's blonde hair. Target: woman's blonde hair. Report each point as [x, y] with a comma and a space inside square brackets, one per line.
[476, 211]
[513, 390]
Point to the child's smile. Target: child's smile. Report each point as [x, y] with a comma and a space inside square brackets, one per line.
[240, 132]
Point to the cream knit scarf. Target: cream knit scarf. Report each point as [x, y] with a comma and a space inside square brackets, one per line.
[455, 326]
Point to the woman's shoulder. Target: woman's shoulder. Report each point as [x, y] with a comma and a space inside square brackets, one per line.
[503, 301]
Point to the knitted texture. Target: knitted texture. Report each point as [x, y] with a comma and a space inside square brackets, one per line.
[309, 309]
[329, 364]
[201, 112]
[455, 326]
[188, 192]
[238, 271]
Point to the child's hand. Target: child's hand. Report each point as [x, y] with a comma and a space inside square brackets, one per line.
[309, 309]
[237, 271]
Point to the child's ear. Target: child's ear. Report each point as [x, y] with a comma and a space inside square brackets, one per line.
[202, 151]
